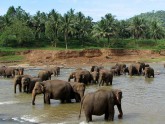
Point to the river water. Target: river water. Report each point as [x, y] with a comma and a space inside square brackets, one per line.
[143, 102]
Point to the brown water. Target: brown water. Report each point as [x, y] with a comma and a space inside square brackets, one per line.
[143, 102]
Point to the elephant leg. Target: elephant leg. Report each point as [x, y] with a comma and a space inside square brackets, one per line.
[120, 111]
[77, 98]
[88, 116]
[20, 88]
[15, 86]
[44, 99]
[47, 99]
[106, 116]
[111, 113]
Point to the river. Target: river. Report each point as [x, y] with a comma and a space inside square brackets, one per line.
[143, 102]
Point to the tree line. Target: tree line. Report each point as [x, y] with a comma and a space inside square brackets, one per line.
[20, 29]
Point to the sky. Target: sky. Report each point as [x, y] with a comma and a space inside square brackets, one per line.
[121, 9]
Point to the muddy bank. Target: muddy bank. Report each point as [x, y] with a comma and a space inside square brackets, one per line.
[88, 56]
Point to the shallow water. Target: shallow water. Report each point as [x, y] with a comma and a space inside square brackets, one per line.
[143, 102]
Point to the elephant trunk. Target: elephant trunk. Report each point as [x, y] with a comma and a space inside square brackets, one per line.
[15, 87]
[33, 97]
[120, 111]
[81, 94]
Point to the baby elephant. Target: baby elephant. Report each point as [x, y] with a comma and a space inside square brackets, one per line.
[102, 102]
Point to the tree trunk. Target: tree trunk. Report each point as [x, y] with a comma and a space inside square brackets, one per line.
[66, 43]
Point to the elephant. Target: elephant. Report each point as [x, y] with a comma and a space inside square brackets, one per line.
[83, 76]
[19, 71]
[53, 89]
[105, 76]
[95, 77]
[10, 72]
[2, 70]
[17, 81]
[120, 67]
[55, 71]
[28, 83]
[102, 102]
[132, 70]
[139, 67]
[125, 70]
[78, 90]
[116, 71]
[72, 76]
[96, 68]
[148, 72]
[44, 75]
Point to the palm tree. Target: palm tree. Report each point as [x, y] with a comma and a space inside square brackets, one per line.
[105, 28]
[123, 29]
[138, 27]
[52, 26]
[156, 30]
[39, 23]
[67, 25]
[83, 26]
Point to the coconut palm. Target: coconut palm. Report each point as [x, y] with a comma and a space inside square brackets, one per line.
[67, 25]
[138, 27]
[105, 28]
[156, 30]
[52, 27]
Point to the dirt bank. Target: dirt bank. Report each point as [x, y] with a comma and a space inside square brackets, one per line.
[88, 57]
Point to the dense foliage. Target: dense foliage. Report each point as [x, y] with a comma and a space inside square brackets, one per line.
[20, 29]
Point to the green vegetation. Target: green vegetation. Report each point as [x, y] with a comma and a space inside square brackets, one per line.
[11, 58]
[20, 31]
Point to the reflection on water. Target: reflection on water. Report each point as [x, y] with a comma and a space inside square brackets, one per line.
[143, 102]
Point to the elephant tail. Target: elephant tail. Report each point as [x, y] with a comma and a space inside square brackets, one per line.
[81, 107]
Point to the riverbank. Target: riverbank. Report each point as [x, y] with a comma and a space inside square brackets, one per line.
[88, 57]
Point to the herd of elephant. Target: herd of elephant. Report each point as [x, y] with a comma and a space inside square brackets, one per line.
[96, 103]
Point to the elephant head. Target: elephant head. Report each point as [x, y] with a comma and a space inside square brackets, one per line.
[95, 76]
[79, 88]
[117, 101]
[25, 83]
[71, 76]
[17, 81]
[38, 89]
[21, 70]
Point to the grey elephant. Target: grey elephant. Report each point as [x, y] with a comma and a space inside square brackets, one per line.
[28, 83]
[94, 77]
[10, 72]
[19, 71]
[83, 76]
[17, 81]
[78, 90]
[2, 70]
[132, 70]
[53, 89]
[44, 75]
[102, 102]
[72, 76]
[105, 76]
[148, 72]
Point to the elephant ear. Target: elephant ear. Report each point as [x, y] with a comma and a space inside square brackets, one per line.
[42, 86]
[75, 88]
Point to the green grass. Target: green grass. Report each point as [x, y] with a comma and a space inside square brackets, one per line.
[11, 58]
